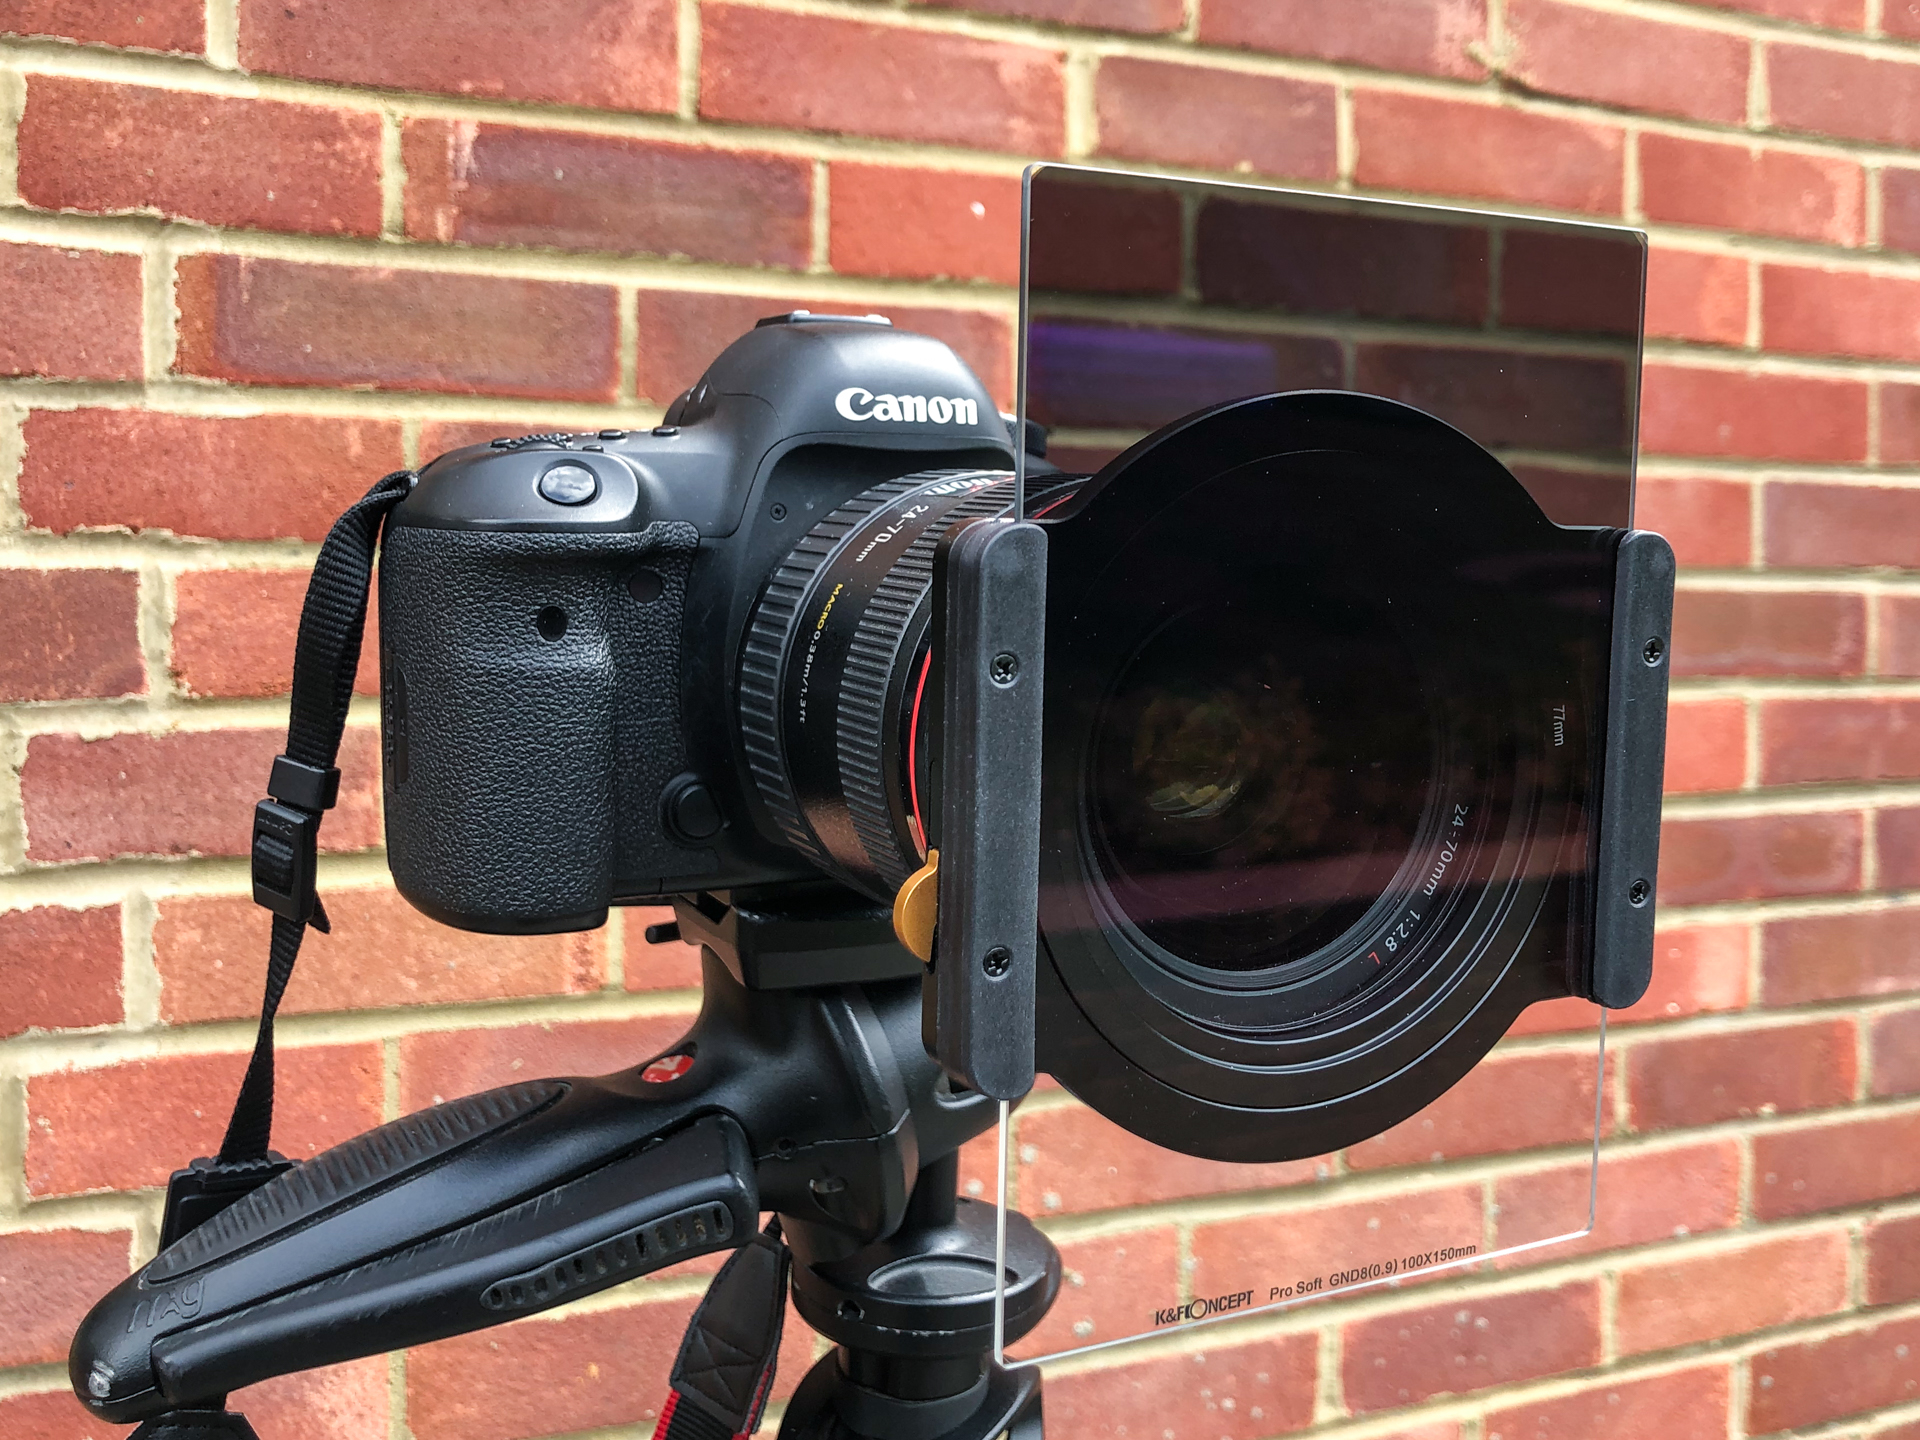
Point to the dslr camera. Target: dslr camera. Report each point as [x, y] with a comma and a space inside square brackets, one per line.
[1243, 734]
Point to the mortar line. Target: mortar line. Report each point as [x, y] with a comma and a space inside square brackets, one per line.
[393, 176]
[13, 104]
[687, 37]
[140, 982]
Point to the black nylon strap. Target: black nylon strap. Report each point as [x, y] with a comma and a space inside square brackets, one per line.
[325, 657]
[724, 1371]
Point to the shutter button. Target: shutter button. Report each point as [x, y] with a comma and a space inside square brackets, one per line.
[568, 484]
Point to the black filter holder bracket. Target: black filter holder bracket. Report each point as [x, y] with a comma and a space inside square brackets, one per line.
[989, 622]
[1633, 772]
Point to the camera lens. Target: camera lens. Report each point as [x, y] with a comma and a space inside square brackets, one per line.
[1248, 804]
[834, 675]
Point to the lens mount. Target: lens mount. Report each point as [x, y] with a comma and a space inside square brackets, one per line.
[1320, 682]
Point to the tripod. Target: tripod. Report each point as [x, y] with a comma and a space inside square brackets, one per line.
[803, 1088]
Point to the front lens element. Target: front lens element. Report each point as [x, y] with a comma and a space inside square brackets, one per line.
[1251, 795]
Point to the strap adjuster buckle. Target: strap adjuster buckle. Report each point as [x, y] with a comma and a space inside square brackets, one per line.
[285, 859]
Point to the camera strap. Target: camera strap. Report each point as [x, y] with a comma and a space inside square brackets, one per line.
[724, 1371]
[304, 782]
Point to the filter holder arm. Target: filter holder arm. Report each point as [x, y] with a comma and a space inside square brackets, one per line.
[1632, 771]
[989, 626]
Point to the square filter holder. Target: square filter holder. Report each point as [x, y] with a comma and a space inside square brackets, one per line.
[1146, 298]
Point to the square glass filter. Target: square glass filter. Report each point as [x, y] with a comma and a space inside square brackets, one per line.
[1143, 300]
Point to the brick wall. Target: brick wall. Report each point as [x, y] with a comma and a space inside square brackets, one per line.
[254, 253]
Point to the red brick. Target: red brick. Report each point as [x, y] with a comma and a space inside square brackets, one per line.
[1834, 14]
[69, 634]
[1374, 267]
[1143, 17]
[48, 1281]
[128, 1126]
[437, 437]
[579, 1372]
[1824, 526]
[1110, 1286]
[1708, 520]
[1684, 1402]
[1505, 398]
[1769, 632]
[1068, 206]
[251, 164]
[1469, 1343]
[1895, 1042]
[602, 54]
[1899, 424]
[1573, 283]
[1629, 62]
[1897, 835]
[1697, 969]
[1893, 1260]
[924, 224]
[1646, 1196]
[1702, 1079]
[1692, 295]
[1846, 1374]
[681, 331]
[669, 965]
[179, 25]
[69, 313]
[1838, 957]
[1690, 411]
[478, 184]
[443, 1064]
[1706, 745]
[1748, 188]
[1899, 18]
[187, 793]
[59, 968]
[1900, 209]
[1080, 1161]
[233, 633]
[1432, 37]
[1839, 312]
[807, 72]
[1240, 1392]
[1834, 1165]
[279, 322]
[1830, 92]
[337, 1402]
[211, 952]
[1215, 119]
[1508, 1102]
[1753, 857]
[1317, 1242]
[1838, 740]
[224, 478]
[1417, 142]
[52, 1415]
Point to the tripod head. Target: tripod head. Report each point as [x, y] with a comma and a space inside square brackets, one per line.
[818, 1104]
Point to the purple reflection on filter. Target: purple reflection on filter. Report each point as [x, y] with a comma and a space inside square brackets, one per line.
[1104, 376]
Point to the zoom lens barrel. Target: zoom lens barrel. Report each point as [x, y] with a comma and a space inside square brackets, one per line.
[833, 674]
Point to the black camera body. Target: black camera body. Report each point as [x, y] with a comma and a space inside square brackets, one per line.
[562, 619]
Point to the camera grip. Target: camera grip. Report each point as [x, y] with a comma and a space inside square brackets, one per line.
[463, 1216]
[530, 713]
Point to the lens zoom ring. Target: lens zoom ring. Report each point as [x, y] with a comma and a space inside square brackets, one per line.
[764, 654]
[872, 660]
